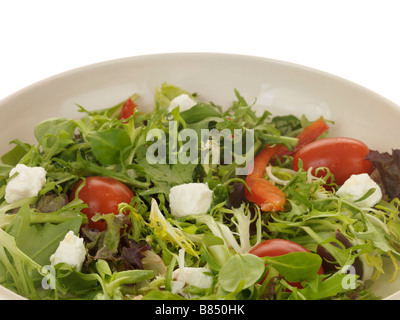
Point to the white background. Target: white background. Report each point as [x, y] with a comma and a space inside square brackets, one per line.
[355, 39]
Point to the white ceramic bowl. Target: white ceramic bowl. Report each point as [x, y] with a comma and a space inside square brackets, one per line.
[282, 87]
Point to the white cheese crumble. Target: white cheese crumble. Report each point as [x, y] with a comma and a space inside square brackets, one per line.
[197, 277]
[190, 199]
[71, 251]
[357, 186]
[26, 183]
[183, 101]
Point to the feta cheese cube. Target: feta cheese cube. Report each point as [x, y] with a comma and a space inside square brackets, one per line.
[190, 199]
[357, 186]
[27, 183]
[71, 250]
[183, 101]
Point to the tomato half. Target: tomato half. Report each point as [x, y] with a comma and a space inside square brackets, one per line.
[343, 156]
[280, 247]
[102, 195]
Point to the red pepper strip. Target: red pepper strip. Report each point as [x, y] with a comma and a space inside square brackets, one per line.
[309, 134]
[261, 161]
[265, 193]
[128, 108]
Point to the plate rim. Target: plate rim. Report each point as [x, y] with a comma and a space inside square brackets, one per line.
[196, 54]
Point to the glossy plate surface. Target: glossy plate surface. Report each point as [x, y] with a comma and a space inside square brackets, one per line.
[281, 87]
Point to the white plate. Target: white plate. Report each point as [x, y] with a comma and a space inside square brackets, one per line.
[282, 87]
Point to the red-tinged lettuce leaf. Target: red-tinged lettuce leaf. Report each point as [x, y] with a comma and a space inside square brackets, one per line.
[109, 245]
[237, 195]
[105, 244]
[132, 253]
[388, 166]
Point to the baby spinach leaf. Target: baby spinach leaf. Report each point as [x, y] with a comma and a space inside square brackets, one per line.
[13, 156]
[53, 126]
[108, 145]
[322, 288]
[296, 266]
[55, 135]
[239, 269]
[200, 112]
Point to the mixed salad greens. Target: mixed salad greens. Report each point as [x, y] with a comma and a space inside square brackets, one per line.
[276, 233]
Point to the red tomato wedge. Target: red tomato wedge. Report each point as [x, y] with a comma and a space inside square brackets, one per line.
[280, 247]
[343, 156]
[102, 195]
[128, 108]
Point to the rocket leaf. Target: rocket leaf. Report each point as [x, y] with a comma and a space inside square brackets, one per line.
[37, 241]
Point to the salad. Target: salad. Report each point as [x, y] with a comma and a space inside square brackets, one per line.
[196, 201]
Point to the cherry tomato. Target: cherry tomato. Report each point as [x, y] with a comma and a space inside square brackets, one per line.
[280, 247]
[343, 156]
[102, 195]
[128, 108]
[309, 134]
